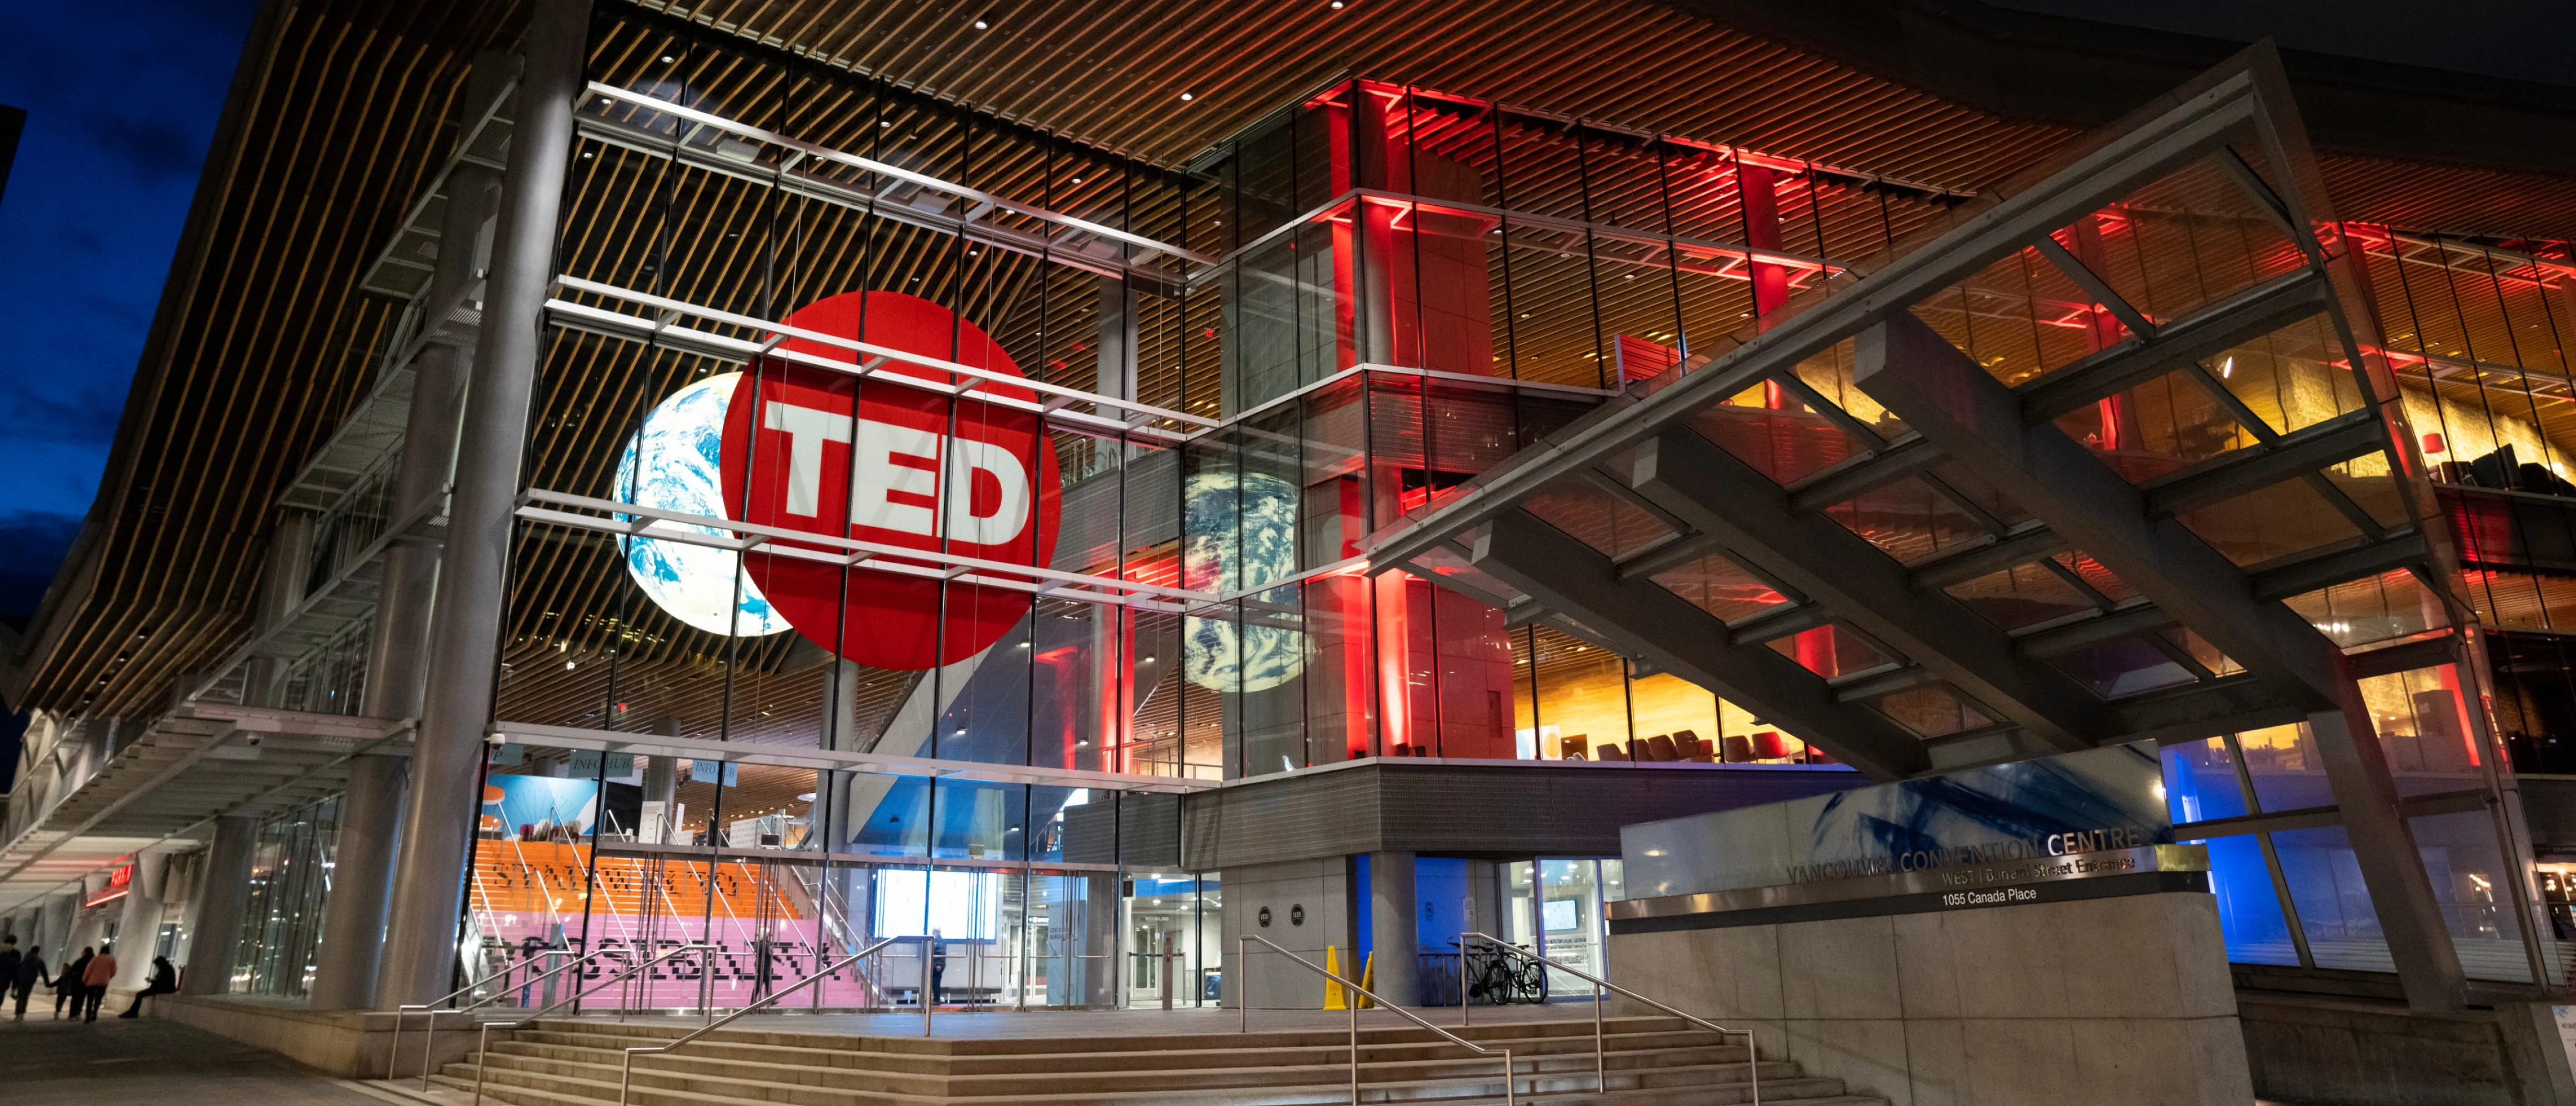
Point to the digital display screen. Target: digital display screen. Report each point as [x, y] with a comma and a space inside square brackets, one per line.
[1560, 915]
[962, 906]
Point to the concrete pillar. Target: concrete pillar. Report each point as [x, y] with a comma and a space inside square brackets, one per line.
[464, 653]
[223, 894]
[289, 564]
[348, 961]
[1117, 361]
[138, 929]
[1394, 927]
[59, 912]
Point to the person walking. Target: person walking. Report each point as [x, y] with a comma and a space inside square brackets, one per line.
[165, 979]
[67, 984]
[31, 971]
[8, 958]
[95, 978]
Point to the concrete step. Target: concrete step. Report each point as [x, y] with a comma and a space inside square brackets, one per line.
[1434, 1081]
[748, 1032]
[685, 1071]
[1786, 1092]
[1625, 1050]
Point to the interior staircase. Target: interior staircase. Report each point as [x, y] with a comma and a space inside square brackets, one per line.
[1652, 1061]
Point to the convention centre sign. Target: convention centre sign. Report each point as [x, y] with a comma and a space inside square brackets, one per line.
[2082, 825]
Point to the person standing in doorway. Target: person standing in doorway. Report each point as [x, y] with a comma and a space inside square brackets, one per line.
[67, 985]
[938, 967]
[31, 971]
[95, 978]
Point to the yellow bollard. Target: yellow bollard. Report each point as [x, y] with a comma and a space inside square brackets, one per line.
[1368, 979]
[1333, 998]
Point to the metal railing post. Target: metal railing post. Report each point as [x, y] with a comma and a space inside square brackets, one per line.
[1354, 1004]
[482, 1050]
[1600, 1046]
[626, 1068]
[1752, 1046]
[393, 1049]
[1464, 1018]
[1242, 988]
[1357, 992]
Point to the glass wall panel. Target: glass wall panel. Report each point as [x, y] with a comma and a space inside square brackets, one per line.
[2334, 906]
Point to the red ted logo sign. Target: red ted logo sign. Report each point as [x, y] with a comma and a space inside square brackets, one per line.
[876, 460]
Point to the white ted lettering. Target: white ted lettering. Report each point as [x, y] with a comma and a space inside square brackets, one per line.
[806, 429]
[894, 477]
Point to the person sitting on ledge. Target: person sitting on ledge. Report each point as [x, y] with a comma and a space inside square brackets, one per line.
[165, 980]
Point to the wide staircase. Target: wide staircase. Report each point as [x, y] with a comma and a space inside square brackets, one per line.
[1651, 1061]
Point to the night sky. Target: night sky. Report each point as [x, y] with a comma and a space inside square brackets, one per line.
[121, 102]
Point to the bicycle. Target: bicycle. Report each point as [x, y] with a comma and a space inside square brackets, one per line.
[1495, 979]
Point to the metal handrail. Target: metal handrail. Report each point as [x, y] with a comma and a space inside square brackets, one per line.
[1600, 1063]
[626, 1074]
[393, 1052]
[1243, 1018]
[483, 1047]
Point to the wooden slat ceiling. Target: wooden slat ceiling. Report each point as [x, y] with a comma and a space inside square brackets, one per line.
[263, 342]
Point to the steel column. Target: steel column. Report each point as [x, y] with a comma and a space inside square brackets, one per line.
[465, 634]
[223, 893]
[350, 959]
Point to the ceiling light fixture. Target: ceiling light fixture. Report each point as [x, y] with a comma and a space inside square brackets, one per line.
[1186, 97]
[980, 25]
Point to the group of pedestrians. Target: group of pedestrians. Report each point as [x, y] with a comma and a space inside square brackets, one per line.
[82, 984]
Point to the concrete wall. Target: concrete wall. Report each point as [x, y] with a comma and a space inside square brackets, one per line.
[350, 1044]
[2106, 1002]
[1323, 887]
[2359, 1052]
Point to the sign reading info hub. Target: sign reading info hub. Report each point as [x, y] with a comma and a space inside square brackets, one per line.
[878, 461]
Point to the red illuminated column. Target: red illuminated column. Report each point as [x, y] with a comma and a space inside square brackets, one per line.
[1758, 187]
[2119, 419]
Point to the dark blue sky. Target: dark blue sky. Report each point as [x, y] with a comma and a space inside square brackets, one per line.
[121, 103]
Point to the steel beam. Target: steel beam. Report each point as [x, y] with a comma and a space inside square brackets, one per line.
[2204, 117]
[2247, 315]
[2255, 467]
[2061, 638]
[1861, 475]
[1948, 398]
[2308, 572]
[1705, 486]
[1688, 642]
[1959, 564]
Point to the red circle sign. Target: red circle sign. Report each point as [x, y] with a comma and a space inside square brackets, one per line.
[881, 461]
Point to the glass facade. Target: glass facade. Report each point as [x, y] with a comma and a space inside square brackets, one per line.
[869, 427]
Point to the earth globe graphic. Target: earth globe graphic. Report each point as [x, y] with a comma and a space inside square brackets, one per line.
[671, 464]
[1220, 506]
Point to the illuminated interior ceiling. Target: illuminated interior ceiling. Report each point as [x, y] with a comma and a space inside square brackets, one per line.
[265, 341]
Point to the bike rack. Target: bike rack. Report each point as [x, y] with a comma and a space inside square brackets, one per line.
[1600, 1054]
[1243, 1020]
